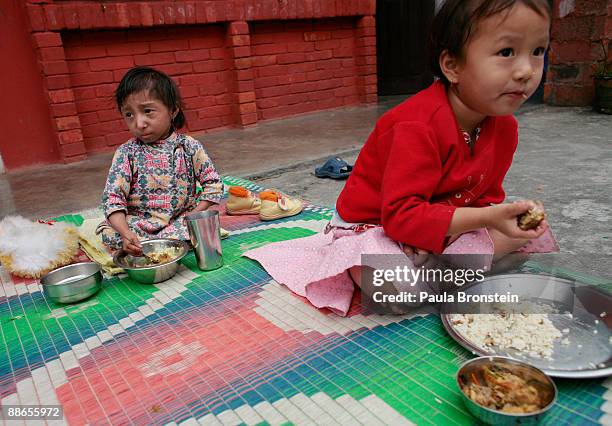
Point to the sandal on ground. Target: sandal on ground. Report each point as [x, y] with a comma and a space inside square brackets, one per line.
[242, 201]
[276, 205]
[334, 168]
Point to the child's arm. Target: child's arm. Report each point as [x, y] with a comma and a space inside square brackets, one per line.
[203, 205]
[114, 199]
[501, 217]
[131, 244]
[207, 176]
[118, 183]
[500, 221]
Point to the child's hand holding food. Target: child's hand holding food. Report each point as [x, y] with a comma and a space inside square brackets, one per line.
[131, 243]
[532, 218]
[521, 219]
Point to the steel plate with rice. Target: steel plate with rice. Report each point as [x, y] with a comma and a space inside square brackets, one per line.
[576, 319]
[161, 260]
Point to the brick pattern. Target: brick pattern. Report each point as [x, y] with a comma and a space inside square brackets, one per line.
[194, 57]
[48, 15]
[52, 59]
[303, 66]
[252, 60]
[580, 41]
[366, 59]
[239, 43]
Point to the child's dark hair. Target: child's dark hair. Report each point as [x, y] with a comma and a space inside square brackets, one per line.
[455, 22]
[158, 84]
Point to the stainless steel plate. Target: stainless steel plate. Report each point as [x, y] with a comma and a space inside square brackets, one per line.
[144, 273]
[589, 353]
[71, 279]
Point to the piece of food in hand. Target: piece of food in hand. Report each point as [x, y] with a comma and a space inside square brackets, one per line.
[531, 218]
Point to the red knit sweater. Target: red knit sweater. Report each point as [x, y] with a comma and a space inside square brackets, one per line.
[415, 169]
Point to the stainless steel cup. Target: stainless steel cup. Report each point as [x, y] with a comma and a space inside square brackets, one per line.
[205, 235]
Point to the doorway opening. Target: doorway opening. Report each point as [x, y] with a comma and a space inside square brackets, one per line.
[402, 45]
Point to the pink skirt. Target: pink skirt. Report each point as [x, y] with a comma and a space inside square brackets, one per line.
[316, 267]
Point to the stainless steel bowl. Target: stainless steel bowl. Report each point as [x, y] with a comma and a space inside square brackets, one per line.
[72, 283]
[137, 267]
[474, 367]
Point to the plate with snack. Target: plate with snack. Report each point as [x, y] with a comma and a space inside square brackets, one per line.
[160, 260]
[561, 326]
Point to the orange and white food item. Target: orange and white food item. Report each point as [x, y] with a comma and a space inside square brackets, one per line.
[532, 218]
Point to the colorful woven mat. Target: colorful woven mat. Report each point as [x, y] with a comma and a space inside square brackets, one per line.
[231, 346]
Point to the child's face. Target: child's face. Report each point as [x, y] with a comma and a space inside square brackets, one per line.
[503, 62]
[146, 117]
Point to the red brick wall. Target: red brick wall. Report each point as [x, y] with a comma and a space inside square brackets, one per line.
[221, 53]
[304, 66]
[196, 58]
[580, 40]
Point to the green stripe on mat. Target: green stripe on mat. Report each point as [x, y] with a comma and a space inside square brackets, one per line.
[75, 219]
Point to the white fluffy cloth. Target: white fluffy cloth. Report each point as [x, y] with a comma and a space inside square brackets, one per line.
[31, 249]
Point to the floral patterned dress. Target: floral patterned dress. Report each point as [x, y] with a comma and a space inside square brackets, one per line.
[155, 185]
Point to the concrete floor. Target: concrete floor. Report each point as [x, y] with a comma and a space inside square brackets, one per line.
[268, 148]
[564, 158]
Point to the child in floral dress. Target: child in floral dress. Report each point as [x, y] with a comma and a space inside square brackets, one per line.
[152, 180]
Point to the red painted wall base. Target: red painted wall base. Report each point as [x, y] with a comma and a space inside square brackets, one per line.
[28, 136]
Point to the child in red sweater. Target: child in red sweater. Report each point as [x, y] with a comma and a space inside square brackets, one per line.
[429, 178]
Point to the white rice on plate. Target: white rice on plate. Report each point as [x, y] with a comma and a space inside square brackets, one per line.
[530, 334]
